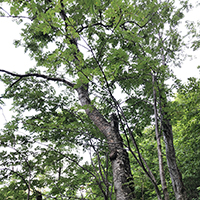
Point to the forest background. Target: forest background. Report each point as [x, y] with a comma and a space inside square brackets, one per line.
[131, 54]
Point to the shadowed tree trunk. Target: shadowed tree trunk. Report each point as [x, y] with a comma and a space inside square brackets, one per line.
[39, 196]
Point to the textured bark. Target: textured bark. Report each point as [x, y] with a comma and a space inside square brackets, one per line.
[174, 172]
[123, 181]
[159, 147]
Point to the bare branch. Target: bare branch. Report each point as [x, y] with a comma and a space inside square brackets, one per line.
[12, 16]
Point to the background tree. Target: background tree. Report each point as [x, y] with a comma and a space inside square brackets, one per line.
[186, 129]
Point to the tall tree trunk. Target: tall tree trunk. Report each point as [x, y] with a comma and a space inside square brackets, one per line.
[176, 177]
[159, 147]
[123, 180]
[174, 172]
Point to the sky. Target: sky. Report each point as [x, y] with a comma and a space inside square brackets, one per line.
[14, 59]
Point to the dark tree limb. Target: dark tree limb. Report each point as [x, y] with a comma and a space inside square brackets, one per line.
[38, 76]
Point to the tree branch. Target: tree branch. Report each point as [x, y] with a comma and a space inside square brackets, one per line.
[18, 174]
[95, 24]
[38, 76]
[12, 16]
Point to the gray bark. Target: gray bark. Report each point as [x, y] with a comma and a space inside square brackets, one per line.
[174, 172]
[123, 181]
[159, 146]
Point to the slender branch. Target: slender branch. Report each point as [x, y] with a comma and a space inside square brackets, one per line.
[99, 175]
[12, 16]
[38, 76]
[19, 17]
[95, 24]
[18, 174]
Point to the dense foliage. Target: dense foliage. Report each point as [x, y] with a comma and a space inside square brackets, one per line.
[186, 132]
[97, 100]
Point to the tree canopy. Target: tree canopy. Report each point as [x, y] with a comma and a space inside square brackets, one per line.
[100, 87]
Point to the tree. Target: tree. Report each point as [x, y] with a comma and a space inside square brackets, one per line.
[125, 51]
[185, 117]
